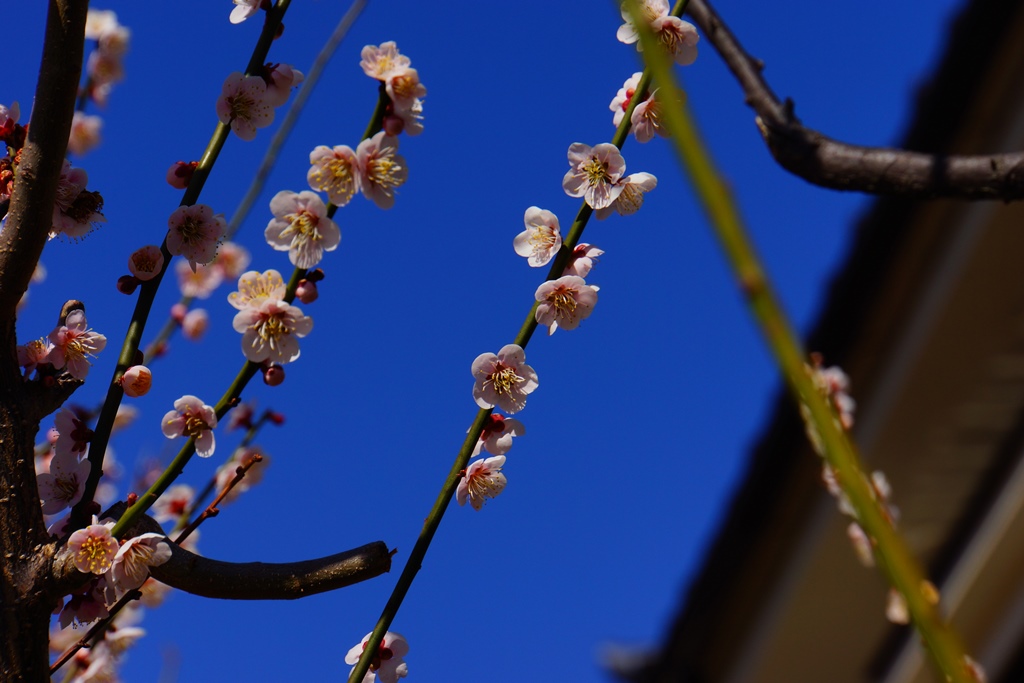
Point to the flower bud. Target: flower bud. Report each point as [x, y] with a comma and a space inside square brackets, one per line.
[179, 175]
[136, 381]
[273, 374]
[306, 292]
[126, 284]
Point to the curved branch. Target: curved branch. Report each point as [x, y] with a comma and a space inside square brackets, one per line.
[263, 581]
[830, 163]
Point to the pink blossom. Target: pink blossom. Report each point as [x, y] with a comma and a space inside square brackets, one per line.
[241, 416]
[583, 258]
[388, 662]
[646, 121]
[255, 288]
[85, 133]
[334, 171]
[541, 240]
[146, 262]
[483, 479]
[179, 175]
[30, 355]
[381, 62]
[73, 434]
[198, 283]
[8, 120]
[130, 567]
[632, 189]
[497, 434]
[173, 503]
[194, 233]
[243, 10]
[620, 103]
[192, 418]
[194, 324]
[504, 379]
[271, 331]
[104, 69]
[232, 259]
[565, 302]
[62, 486]
[74, 344]
[403, 86]
[679, 37]
[75, 209]
[93, 547]
[404, 116]
[244, 104]
[381, 169]
[98, 22]
[301, 227]
[136, 381]
[594, 173]
[835, 384]
[85, 607]
[280, 79]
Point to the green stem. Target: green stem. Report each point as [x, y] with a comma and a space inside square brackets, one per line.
[522, 338]
[893, 555]
[147, 293]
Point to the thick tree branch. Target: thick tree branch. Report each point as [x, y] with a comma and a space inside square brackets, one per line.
[264, 581]
[837, 165]
[31, 210]
[242, 580]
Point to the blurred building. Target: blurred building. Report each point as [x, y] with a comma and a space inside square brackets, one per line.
[926, 315]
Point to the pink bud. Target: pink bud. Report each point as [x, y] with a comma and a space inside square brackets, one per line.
[273, 375]
[194, 324]
[306, 292]
[136, 381]
[179, 175]
[178, 312]
[146, 263]
[126, 284]
[393, 125]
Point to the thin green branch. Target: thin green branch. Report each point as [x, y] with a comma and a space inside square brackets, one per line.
[893, 555]
[522, 338]
[147, 293]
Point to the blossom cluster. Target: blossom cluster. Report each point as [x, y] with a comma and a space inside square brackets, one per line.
[247, 103]
[270, 326]
[375, 168]
[404, 110]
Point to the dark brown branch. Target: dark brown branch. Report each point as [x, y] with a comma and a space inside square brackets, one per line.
[243, 580]
[264, 581]
[30, 216]
[837, 165]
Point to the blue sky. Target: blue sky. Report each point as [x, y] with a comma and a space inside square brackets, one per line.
[644, 414]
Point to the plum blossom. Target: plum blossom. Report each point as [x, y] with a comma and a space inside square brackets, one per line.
[582, 260]
[145, 263]
[407, 117]
[243, 10]
[594, 173]
[496, 437]
[835, 384]
[93, 548]
[679, 37]
[199, 283]
[74, 344]
[194, 324]
[85, 133]
[244, 105]
[381, 169]
[541, 240]
[565, 302]
[173, 503]
[194, 233]
[646, 121]
[620, 103]
[387, 663]
[192, 418]
[403, 86]
[62, 486]
[255, 288]
[32, 354]
[280, 79]
[381, 62]
[334, 171]
[179, 175]
[632, 189]
[483, 479]
[131, 564]
[301, 227]
[73, 434]
[271, 330]
[232, 259]
[504, 379]
[240, 458]
[75, 209]
[136, 381]
[85, 607]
